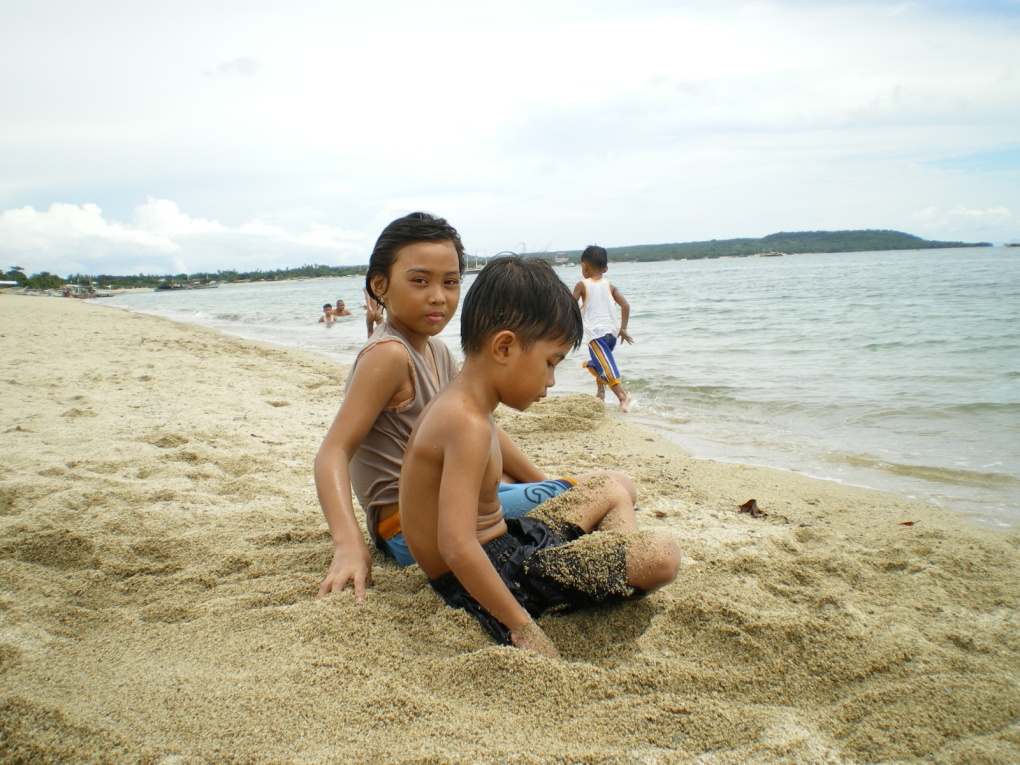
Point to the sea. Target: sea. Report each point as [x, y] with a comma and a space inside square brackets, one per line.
[898, 371]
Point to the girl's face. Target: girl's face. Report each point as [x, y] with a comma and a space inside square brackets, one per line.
[422, 290]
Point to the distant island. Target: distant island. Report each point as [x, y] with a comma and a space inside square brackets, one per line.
[783, 243]
[771, 245]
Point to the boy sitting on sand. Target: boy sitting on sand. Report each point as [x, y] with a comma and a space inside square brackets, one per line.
[518, 322]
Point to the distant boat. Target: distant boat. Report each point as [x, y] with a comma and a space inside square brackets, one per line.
[474, 269]
[170, 284]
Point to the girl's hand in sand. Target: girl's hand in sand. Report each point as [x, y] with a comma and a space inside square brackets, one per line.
[531, 637]
[354, 566]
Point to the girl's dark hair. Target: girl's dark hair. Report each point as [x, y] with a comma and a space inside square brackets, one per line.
[596, 256]
[414, 227]
[523, 295]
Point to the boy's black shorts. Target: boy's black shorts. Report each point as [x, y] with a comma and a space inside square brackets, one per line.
[544, 572]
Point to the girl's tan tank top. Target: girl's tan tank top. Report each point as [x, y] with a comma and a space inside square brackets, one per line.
[375, 467]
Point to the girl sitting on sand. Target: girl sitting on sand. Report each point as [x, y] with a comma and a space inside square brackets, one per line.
[415, 275]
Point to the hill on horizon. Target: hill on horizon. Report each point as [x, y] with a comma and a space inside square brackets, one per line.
[789, 243]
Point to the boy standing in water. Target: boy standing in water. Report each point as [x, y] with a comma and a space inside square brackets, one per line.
[596, 296]
[518, 322]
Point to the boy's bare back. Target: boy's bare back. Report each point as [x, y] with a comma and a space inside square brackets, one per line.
[454, 441]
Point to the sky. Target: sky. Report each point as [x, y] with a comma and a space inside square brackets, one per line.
[186, 137]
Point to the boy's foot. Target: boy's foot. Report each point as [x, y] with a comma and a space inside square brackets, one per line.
[625, 403]
[600, 392]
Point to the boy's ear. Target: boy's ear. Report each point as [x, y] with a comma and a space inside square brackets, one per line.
[502, 344]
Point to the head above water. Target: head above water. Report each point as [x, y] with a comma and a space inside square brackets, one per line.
[327, 306]
[524, 296]
[414, 227]
[596, 257]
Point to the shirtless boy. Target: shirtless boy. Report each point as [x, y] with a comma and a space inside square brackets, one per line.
[518, 322]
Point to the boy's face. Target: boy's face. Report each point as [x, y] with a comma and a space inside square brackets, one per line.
[534, 372]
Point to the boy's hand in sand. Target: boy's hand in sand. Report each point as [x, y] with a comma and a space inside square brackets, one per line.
[530, 636]
[354, 566]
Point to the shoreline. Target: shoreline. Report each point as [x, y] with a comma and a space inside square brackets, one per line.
[952, 460]
[161, 546]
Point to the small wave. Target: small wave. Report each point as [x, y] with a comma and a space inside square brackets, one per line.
[934, 474]
[894, 344]
[998, 408]
[949, 411]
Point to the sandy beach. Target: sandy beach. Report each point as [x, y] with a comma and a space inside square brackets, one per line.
[161, 546]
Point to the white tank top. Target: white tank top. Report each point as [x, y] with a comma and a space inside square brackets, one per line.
[597, 312]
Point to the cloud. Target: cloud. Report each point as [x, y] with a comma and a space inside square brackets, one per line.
[296, 131]
[163, 218]
[995, 223]
[239, 67]
[160, 239]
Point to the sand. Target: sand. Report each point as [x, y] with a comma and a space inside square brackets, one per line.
[161, 546]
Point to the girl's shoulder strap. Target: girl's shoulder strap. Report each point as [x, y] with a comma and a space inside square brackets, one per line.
[392, 340]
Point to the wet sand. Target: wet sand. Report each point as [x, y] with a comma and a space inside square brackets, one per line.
[161, 546]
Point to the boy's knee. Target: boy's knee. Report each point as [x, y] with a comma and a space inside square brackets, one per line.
[672, 558]
[653, 560]
[614, 480]
[624, 480]
[667, 559]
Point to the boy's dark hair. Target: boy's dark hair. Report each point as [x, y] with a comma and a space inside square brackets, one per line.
[414, 227]
[523, 295]
[595, 256]
[328, 305]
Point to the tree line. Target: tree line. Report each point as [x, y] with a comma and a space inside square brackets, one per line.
[48, 281]
[867, 240]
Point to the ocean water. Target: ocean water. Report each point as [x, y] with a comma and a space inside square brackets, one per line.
[894, 370]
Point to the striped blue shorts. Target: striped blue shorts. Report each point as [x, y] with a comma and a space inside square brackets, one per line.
[602, 363]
